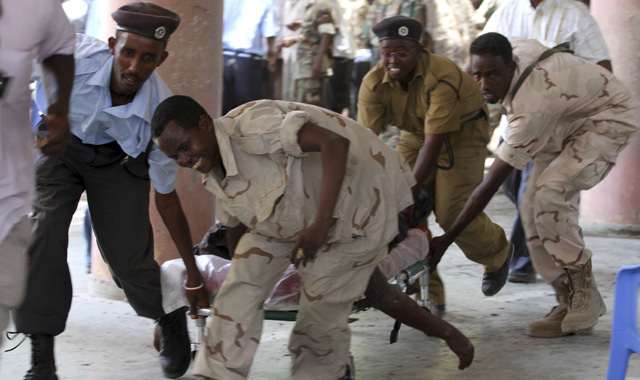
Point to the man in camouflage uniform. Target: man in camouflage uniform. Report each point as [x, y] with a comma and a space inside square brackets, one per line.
[313, 65]
[313, 188]
[573, 118]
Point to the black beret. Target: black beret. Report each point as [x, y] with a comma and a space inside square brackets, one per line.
[146, 19]
[402, 27]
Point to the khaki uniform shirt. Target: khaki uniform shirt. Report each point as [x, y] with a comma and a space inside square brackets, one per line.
[563, 97]
[428, 106]
[273, 188]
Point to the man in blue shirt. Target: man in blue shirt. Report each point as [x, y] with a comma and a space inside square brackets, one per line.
[246, 24]
[111, 156]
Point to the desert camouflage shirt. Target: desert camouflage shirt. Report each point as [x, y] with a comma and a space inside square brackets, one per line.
[564, 96]
[273, 188]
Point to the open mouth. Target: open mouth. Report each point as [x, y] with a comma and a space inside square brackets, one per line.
[394, 70]
[197, 164]
[131, 80]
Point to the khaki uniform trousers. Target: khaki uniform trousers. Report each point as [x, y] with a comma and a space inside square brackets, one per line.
[319, 343]
[483, 241]
[550, 208]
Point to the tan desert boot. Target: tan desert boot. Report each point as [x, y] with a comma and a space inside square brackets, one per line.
[551, 325]
[585, 302]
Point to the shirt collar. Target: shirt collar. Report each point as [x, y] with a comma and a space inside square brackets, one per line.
[516, 75]
[226, 153]
[140, 106]
[224, 145]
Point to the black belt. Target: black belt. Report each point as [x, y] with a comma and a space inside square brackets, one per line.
[241, 54]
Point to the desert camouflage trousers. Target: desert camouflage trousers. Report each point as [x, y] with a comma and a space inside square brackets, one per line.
[319, 342]
[549, 207]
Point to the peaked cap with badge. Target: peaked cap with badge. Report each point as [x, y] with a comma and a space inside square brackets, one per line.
[146, 19]
[401, 27]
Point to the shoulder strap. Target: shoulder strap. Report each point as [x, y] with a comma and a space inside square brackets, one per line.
[562, 48]
[437, 83]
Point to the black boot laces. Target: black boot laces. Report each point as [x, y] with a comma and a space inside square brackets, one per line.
[11, 335]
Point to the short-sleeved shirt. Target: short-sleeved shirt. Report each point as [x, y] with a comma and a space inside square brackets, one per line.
[95, 121]
[552, 22]
[28, 29]
[439, 98]
[273, 188]
[563, 96]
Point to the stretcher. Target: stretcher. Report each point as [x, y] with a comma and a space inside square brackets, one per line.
[404, 265]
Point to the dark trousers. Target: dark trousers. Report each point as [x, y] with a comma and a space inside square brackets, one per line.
[514, 187]
[119, 204]
[337, 89]
[243, 80]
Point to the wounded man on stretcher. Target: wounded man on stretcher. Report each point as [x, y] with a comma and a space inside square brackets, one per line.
[213, 260]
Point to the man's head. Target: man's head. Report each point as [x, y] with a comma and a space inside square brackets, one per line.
[142, 33]
[184, 132]
[400, 46]
[492, 65]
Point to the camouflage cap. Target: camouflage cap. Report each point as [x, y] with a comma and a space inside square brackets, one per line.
[401, 27]
[146, 19]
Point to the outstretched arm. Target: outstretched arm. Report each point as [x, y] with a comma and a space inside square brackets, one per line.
[478, 200]
[173, 216]
[62, 67]
[333, 149]
[427, 160]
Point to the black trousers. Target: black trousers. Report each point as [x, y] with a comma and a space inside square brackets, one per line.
[119, 204]
[337, 89]
[244, 80]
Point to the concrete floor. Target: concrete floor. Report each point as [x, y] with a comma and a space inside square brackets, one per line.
[105, 340]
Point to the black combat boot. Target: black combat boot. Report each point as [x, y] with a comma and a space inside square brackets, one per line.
[175, 348]
[43, 363]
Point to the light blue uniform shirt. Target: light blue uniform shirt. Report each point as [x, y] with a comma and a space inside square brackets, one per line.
[96, 122]
[246, 23]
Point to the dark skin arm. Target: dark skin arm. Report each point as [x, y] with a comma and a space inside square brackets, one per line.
[272, 53]
[62, 67]
[170, 210]
[334, 150]
[476, 203]
[325, 43]
[606, 64]
[427, 160]
[233, 236]
[322, 17]
[426, 164]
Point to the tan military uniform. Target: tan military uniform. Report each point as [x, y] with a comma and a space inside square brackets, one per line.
[273, 188]
[573, 118]
[433, 106]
